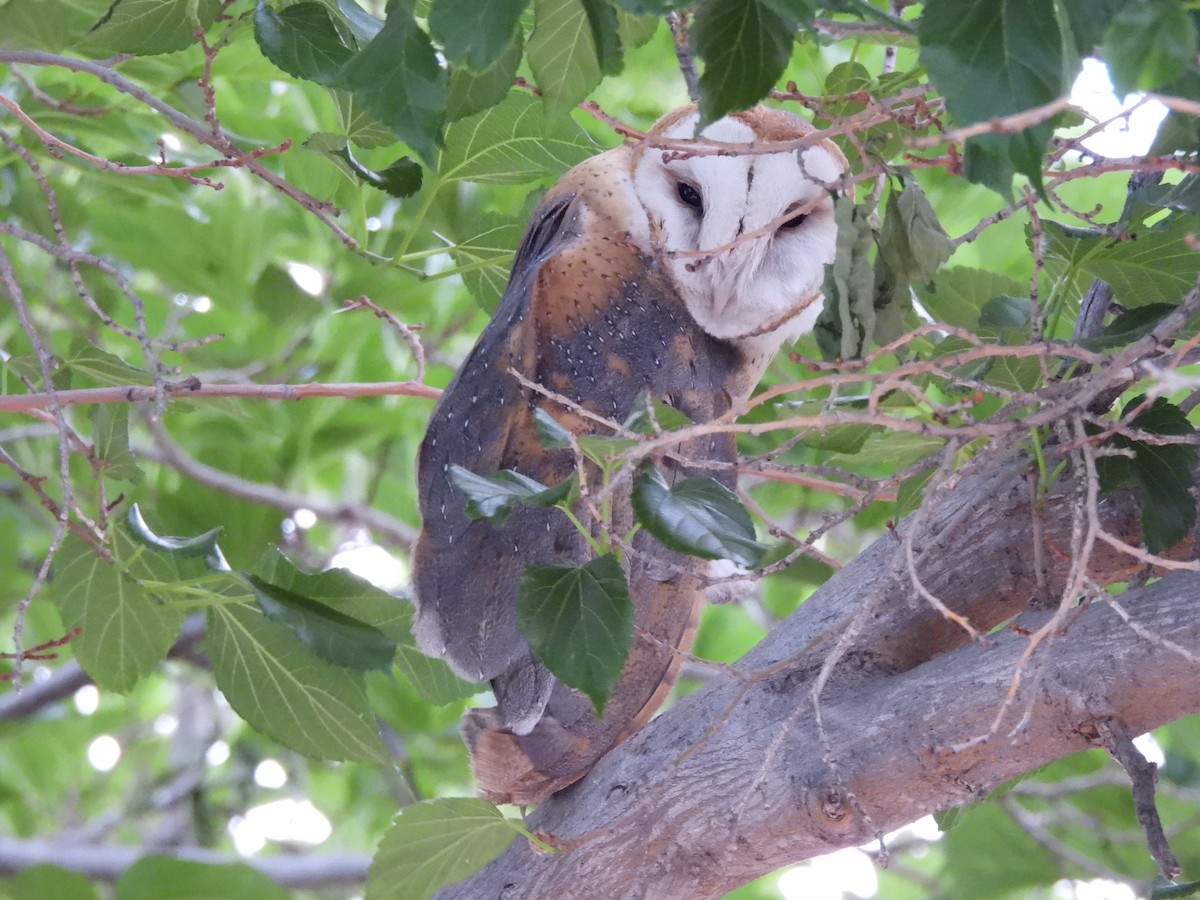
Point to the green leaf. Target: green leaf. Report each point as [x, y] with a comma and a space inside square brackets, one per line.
[847, 439]
[301, 40]
[912, 492]
[1015, 373]
[288, 693]
[333, 636]
[1165, 890]
[697, 516]
[486, 258]
[472, 92]
[400, 179]
[168, 878]
[1088, 20]
[602, 19]
[475, 34]
[846, 323]
[957, 294]
[562, 54]
[1164, 472]
[996, 59]
[510, 144]
[437, 843]
[433, 680]
[127, 627]
[110, 442]
[202, 545]
[49, 881]
[1003, 315]
[550, 432]
[150, 27]
[362, 24]
[745, 47]
[342, 591]
[50, 25]
[1128, 327]
[656, 8]
[397, 79]
[97, 367]
[494, 496]
[650, 415]
[1152, 265]
[912, 239]
[635, 31]
[350, 595]
[1148, 44]
[578, 620]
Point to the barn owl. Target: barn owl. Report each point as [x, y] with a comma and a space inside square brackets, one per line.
[645, 268]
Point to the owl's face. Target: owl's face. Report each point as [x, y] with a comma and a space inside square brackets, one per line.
[746, 237]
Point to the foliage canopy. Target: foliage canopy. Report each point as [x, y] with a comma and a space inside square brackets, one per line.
[202, 429]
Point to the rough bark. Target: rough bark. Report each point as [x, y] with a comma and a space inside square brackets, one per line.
[738, 778]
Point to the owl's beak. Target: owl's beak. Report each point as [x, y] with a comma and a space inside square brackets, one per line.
[733, 270]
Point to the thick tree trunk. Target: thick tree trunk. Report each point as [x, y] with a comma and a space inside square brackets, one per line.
[747, 775]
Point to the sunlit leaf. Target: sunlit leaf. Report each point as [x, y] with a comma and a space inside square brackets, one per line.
[287, 692]
[437, 843]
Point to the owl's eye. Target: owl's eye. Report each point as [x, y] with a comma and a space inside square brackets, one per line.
[794, 221]
[690, 196]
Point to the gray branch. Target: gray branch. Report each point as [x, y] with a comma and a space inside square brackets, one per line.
[732, 782]
[307, 871]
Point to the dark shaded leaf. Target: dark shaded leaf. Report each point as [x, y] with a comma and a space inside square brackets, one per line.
[1088, 19]
[578, 620]
[996, 59]
[912, 239]
[397, 79]
[602, 19]
[474, 34]
[551, 434]
[1003, 314]
[847, 321]
[472, 92]
[301, 40]
[1148, 44]
[1163, 471]
[494, 496]
[202, 545]
[1128, 327]
[331, 635]
[697, 516]
[745, 46]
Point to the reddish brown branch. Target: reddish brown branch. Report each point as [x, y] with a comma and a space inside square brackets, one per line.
[192, 387]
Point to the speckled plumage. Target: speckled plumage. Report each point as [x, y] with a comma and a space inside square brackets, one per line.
[607, 299]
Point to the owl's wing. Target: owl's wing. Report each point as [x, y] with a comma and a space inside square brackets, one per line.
[464, 570]
[593, 319]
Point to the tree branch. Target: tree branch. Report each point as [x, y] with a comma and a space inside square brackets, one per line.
[907, 713]
[193, 387]
[299, 871]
